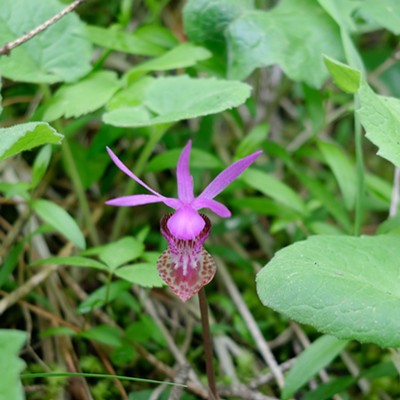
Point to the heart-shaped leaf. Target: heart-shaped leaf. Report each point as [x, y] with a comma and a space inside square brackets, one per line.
[345, 286]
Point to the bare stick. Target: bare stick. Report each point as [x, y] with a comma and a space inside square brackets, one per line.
[208, 350]
[6, 49]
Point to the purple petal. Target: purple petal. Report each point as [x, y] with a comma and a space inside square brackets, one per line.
[186, 223]
[215, 206]
[227, 176]
[125, 170]
[135, 200]
[184, 179]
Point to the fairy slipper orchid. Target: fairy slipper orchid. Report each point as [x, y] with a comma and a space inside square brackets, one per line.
[186, 267]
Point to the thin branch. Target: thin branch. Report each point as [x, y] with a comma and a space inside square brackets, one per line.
[6, 49]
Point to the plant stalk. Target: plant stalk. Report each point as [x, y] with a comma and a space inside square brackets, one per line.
[207, 343]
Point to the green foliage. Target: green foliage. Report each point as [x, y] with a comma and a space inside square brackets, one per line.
[26, 136]
[149, 85]
[313, 359]
[60, 220]
[11, 342]
[83, 97]
[294, 35]
[171, 99]
[344, 286]
[61, 53]
[380, 118]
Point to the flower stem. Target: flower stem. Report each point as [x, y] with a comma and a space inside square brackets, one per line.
[207, 342]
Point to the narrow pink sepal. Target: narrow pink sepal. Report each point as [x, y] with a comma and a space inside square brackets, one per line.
[185, 223]
[134, 200]
[227, 176]
[184, 179]
[186, 280]
[126, 171]
[214, 205]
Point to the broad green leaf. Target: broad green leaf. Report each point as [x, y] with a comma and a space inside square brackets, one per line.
[168, 160]
[275, 189]
[252, 141]
[98, 297]
[385, 12]
[206, 22]
[26, 136]
[143, 274]
[341, 11]
[342, 285]
[315, 357]
[380, 117]
[347, 78]
[88, 95]
[60, 220]
[183, 56]
[120, 252]
[11, 342]
[343, 170]
[40, 164]
[75, 261]
[60, 53]
[115, 39]
[171, 99]
[294, 35]
[109, 335]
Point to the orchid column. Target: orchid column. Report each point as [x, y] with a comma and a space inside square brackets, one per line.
[185, 266]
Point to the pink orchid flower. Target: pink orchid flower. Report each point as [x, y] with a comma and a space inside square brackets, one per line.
[186, 267]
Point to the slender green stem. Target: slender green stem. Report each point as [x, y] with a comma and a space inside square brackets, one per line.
[122, 212]
[80, 191]
[207, 342]
[89, 375]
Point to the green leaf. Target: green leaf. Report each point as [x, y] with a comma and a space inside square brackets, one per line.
[75, 261]
[120, 252]
[206, 22]
[105, 334]
[60, 53]
[319, 191]
[11, 342]
[341, 11]
[183, 56]
[347, 78]
[26, 136]
[97, 298]
[275, 189]
[60, 220]
[172, 99]
[40, 165]
[143, 274]
[342, 285]
[83, 97]
[294, 35]
[115, 39]
[385, 12]
[168, 160]
[315, 357]
[252, 141]
[343, 170]
[57, 331]
[327, 391]
[380, 117]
